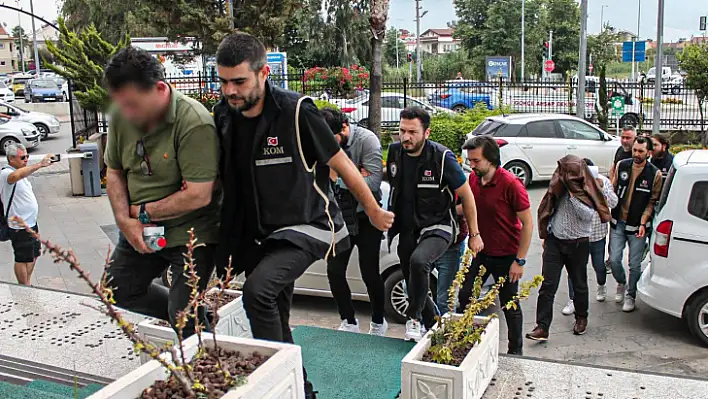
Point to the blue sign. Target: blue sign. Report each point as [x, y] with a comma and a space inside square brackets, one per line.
[497, 66]
[640, 52]
[278, 63]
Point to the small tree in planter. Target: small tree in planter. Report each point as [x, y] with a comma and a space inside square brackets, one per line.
[205, 365]
[459, 356]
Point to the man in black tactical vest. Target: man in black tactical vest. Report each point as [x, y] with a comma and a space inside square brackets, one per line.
[278, 211]
[364, 149]
[638, 185]
[424, 178]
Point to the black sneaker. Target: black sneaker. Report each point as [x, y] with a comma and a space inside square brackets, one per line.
[310, 392]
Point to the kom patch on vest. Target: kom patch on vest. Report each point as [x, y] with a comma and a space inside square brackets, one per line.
[644, 184]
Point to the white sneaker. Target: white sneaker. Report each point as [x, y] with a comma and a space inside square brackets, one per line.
[619, 296]
[601, 293]
[569, 309]
[414, 331]
[378, 329]
[352, 328]
[628, 304]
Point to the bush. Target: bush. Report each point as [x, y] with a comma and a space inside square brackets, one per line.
[340, 81]
[208, 100]
[451, 130]
[683, 147]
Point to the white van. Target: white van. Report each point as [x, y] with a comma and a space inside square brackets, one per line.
[676, 280]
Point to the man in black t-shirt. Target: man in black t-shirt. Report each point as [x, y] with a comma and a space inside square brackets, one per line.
[278, 214]
[629, 133]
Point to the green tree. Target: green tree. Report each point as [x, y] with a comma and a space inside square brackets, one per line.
[83, 56]
[394, 49]
[563, 18]
[694, 61]
[604, 52]
[20, 36]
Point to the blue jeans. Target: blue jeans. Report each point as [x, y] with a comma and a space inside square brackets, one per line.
[447, 266]
[597, 258]
[618, 239]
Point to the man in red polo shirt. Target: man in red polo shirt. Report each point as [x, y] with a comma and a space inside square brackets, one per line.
[506, 227]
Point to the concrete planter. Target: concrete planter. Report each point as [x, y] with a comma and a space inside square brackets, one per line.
[280, 377]
[232, 322]
[424, 380]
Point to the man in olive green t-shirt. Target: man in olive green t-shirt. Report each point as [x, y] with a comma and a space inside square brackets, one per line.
[162, 158]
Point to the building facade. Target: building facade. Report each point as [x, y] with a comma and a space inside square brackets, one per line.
[8, 60]
[439, 41]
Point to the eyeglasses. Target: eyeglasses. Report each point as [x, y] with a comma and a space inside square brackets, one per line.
[145, 164]
[24, 157]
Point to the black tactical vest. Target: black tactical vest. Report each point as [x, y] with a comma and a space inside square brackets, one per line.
[640, 196]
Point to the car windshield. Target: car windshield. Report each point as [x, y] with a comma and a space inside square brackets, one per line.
[652, 70]
[489, 126]
[44, 84]
[665, 189]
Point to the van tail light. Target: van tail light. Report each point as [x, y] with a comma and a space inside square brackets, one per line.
[444, 96]
[348, 110]
[663, 237]
[501, 142]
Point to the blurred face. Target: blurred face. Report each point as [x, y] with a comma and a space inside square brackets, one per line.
[640, 153]
[20, 160]
[242, 87]
[413, 135]
[480, 165]
[658, 147]
[627, 139]
[137, 105]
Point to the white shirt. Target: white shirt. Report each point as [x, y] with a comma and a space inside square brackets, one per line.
[24, 203]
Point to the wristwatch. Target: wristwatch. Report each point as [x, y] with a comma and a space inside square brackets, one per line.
[143, 215]
[521, 262]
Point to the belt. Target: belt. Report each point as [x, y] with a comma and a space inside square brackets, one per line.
[574, 241]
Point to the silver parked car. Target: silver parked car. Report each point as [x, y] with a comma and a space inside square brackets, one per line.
[46, 124]
[13, 131]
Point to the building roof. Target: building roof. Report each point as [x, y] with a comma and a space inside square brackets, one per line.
[3, 32]
[440, 32]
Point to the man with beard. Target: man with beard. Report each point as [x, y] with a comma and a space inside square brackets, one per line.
[505, 225]
[629, 133]
[638, 186]
[424, 178]
[162, 158]
[660, 156]
[278, 214]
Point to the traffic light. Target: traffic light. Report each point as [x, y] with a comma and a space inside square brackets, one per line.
[410, 57]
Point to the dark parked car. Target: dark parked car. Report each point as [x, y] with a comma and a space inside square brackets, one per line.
[41, 90]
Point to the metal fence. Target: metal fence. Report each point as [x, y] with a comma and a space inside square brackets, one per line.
[679, 104]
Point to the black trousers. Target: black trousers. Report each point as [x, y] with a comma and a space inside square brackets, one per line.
[131, 276]
[497, 266]
[417, 260]
[271, 270]
[574, 256]
[368, 242]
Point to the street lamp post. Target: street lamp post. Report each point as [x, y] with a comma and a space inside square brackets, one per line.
[580, 96]
[523, 37]
[656, 121]
[602, 17]
[21, 32]
[34, 41]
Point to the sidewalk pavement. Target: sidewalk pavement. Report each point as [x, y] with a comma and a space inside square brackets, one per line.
[72, 222]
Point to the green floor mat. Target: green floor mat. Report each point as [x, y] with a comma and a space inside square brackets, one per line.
[344, 365]
[39, 387]
[11, 391]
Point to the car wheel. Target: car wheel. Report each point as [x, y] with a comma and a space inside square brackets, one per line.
[43, 130]
[675, 90]
[697, 317]
[520, 170]
[364, 123]
[396, 296]
[459, 108]
[6, 142]
[629, 120]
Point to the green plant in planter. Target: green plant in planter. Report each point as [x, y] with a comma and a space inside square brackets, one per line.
[459, 335]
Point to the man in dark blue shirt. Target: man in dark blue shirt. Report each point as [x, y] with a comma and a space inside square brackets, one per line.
[424, 178]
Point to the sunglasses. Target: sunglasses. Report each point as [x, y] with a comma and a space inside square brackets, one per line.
[24, 157]
[145, 164]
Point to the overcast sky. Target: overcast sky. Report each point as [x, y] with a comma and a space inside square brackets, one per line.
[680, 19]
